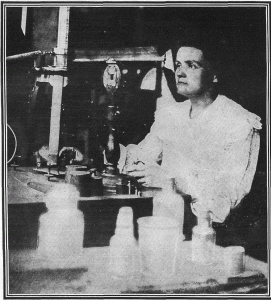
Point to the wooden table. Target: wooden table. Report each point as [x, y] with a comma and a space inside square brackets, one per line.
[88, 274]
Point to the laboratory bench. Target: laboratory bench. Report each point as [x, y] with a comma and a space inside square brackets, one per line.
[31, 273]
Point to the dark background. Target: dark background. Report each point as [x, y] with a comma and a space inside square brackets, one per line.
[116, 27]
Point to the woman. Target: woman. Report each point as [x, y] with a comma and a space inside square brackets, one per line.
[208, 143]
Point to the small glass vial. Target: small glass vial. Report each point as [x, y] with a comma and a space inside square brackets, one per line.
[203, 240]
[38, 159]
[123, 246]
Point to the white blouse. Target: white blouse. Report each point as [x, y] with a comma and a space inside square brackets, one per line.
[215, 154]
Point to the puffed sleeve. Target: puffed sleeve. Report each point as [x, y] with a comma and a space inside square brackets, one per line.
[149, 150]
[221, 187]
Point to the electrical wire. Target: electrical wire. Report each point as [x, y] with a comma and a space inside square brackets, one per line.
[15, 148]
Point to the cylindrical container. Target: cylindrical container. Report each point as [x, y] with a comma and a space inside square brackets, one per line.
[109, 183]
[158, 245]
[121, 189]
[61, 229]
[234, 260]
[203, 241]
[123, 246]
[70, 168]
[82, 180]
[96, 186]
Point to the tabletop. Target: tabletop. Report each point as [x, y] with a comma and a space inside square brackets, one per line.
[88, 274]
[28, 185]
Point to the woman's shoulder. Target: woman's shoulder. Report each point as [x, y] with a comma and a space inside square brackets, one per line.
[235, 114]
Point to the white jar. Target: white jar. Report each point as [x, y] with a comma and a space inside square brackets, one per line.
[61, 233]
[61, 228]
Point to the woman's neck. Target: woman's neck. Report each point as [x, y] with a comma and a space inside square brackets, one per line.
[199, 104]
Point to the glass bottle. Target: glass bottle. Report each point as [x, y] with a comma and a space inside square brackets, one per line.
[203, 239]
[168, 203]
[123, 246]
[61, 228]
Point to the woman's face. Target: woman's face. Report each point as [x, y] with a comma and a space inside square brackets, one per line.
[194, 75]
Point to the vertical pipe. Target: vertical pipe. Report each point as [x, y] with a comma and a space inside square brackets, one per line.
[55, 117]
[58, 82]
[63, 27]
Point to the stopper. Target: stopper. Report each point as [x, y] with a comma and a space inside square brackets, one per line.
[125, 217]
[62, 195]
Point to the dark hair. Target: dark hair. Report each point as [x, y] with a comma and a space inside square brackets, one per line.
[212, 42]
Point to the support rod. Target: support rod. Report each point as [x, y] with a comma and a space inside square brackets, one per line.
[23, 55]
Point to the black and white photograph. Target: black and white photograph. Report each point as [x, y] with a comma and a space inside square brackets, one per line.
[135, 149]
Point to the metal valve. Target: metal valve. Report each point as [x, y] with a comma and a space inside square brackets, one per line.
[111, 76]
